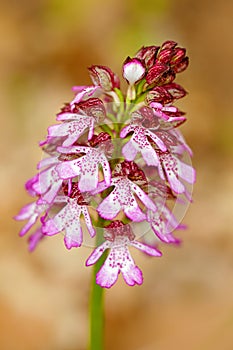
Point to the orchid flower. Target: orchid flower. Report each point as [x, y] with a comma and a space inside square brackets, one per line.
[118, 238]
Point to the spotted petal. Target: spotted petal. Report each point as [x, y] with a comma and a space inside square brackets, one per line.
[174, 168]
[121, 198]
[85, 93]
[97, 253]
[30, 212]
[119, 259]
[72, 130]
[68, 219]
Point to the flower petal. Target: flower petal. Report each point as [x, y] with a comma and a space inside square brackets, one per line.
[69, 169]
[175, 184]
[187, 172]
[26, 211]
[132, 274]
[74, 235]
[109, 207]
[87, 92]
[106, 170]
[29, 224]
[89, 177]
[126, 130]
[50, 195]
[88, 221]
[34, 239]
[150, 156]
[30, 212]
[108, 274]
[47, 162]
[143, 197]
[157, 140]
[145, 248]
[129, 150]
[97, 253]
[133, 211]
[53, 226]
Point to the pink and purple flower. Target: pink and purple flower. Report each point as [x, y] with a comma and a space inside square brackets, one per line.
[115, 159]
[118, 237]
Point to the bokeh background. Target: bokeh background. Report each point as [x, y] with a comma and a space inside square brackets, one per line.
[186, 301]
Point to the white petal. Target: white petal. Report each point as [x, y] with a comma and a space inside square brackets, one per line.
[126, 130]
[133, 71]
[145, 248]
[89, 178]
[50, 195]
[129, 150]
[150, 156]
[47, 162]
[108, 274]
[186, 172]
[157, 140]
[132, 274]
[97, 253]
[69, 169]
[175, 184]
[88, 221]
[74, 234]
[109, 207]
[133, 211]
[106, 170]
[143, 197]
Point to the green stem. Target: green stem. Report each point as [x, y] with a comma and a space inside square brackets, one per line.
[96, 340]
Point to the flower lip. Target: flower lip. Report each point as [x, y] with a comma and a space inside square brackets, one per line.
[133, 70]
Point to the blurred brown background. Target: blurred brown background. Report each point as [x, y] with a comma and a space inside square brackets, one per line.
[186, 301]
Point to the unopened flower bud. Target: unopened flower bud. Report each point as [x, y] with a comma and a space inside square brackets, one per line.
[133, 70]
[148, 55]
[156, 72]
[104, 77]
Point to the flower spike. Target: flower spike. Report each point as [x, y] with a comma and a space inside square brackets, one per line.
[116, 165]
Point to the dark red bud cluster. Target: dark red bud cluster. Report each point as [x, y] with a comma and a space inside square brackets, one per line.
[148, 55]
[163, 63]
